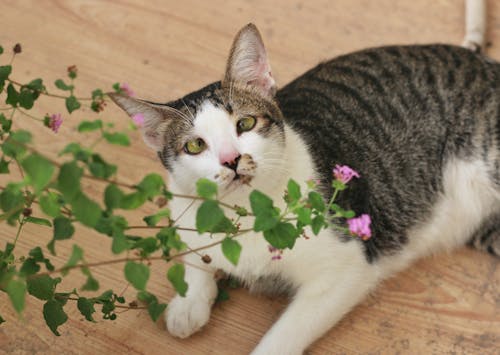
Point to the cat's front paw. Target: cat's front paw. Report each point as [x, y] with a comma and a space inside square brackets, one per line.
[186, 316]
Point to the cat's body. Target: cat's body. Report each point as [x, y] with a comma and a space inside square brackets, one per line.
[421, 125]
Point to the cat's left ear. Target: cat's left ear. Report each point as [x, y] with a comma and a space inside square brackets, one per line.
[248, 61]
[153, 120]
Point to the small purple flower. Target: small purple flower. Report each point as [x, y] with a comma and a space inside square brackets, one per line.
[360, 226]
[126, 89]
[344, 174]
[54, 121]
[138, 119]
[276, 252]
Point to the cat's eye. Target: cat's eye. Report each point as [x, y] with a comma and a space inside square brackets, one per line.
[195, 146]
[245, 124]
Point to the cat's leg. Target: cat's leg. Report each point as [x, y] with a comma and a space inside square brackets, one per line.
[487, 236]
[317, 306]
[475, 25]
[186, 315]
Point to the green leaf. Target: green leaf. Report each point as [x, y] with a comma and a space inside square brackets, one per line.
[91, 284]
[151, 185]
[156, 309]
[231, 250]
[304, 215]
[1, 49]
[16, 289]
[265, 221]
[99, 168]
[5, 71]
[97, 93]
[12, 96]
[120, 242]
[176, 277]
[316, 201]
[85, 210]
[40, 221]
[88, 126]
[208, 216]
[60, 84]
[1, 319]
[11, 197]
[72, 104]
[4, 166]
[49, 203]
[266, 216]
[117, 138]
[282, 236]
[63, 228]
[29, 267]
[293, 191]
[42, 287]
[317, 224]
[36, 85]
[39, 171]
[6, 124]
[260, 202]
[27, 98]
[157, 217]
[75, 257]
[206, 188]
[86, 308]
[137, 274]
[54, 315]
[132, 201]
[68, 181]
[112, 197]
[169, 238]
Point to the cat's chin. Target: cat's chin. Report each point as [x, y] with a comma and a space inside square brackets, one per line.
[237, 184]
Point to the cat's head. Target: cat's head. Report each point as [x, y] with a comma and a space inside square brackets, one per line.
[230, 132]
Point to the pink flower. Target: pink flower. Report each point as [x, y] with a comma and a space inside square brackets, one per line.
[54, 121]
[276, 252]
[344, 174]
[126, 89]
[360, 226]
[138, 119]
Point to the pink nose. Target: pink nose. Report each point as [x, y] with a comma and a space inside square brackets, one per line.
[228, 157]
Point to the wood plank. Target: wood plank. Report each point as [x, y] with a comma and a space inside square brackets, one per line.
[446, 304]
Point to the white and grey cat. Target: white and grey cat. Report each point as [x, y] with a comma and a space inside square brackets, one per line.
[421, 124]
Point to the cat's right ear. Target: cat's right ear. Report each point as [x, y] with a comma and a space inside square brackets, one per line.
[154, 122]
[248, 62]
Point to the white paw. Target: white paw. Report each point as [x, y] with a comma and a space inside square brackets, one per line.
[186, 316]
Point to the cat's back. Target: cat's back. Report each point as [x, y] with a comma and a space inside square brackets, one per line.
[396, 114]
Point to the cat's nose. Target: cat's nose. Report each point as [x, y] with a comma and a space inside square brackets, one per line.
[231, 161]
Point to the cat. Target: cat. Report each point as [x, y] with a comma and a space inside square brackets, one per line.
[421, 125]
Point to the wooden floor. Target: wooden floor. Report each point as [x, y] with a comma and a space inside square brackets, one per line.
[448, 304]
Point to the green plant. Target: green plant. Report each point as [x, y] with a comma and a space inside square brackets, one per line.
[55, 186]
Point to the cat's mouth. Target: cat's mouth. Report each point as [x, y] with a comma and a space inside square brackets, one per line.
[243, 179]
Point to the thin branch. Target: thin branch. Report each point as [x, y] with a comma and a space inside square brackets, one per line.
[69, 298]
[46, 93]
[123, 260]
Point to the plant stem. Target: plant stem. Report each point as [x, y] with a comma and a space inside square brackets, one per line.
[123, 260]
[30, 116]
[21, 224]
[46, 93]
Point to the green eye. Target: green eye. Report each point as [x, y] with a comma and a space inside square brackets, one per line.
[195, 146]
[245, 124]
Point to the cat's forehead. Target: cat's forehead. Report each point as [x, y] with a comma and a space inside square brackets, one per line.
[194, 101]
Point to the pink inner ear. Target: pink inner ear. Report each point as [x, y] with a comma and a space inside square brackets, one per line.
[264, 78]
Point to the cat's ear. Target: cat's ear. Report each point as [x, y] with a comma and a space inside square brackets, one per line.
[248, 61]
[151, 119]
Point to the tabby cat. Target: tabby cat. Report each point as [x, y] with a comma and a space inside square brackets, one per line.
[421, 125]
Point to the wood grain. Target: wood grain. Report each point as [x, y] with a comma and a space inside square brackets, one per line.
[445, 304]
